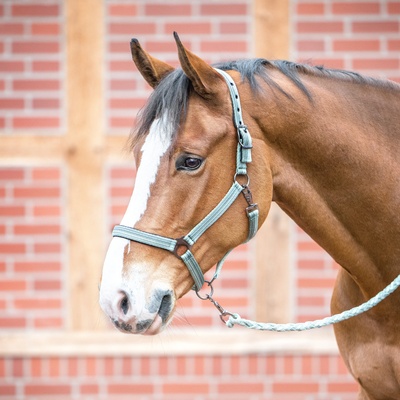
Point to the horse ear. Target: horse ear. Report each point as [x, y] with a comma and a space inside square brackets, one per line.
[152, 70]
[204, 78]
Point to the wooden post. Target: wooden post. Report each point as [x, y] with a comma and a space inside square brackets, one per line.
[272, 294]
[84, 158]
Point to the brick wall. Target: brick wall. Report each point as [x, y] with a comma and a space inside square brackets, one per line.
[31, 66]
[254, 377]
[31, 248]
[357, 35]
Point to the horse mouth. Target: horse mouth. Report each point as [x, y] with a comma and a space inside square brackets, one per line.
[159, 316]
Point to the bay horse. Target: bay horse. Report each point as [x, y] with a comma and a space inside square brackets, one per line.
[325, 147]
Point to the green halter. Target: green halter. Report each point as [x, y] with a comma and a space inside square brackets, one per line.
[175, 246]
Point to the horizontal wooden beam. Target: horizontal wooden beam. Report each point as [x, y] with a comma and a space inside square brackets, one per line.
[202, 342]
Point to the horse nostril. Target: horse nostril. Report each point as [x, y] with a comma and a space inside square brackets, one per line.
[124, 304]
[165, 307]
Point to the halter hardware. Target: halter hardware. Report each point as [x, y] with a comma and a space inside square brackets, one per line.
[176, 246]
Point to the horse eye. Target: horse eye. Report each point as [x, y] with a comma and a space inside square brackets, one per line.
[188, 163]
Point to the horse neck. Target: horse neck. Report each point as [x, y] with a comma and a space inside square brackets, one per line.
[336, 174]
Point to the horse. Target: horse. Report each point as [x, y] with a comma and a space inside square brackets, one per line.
[325, 146]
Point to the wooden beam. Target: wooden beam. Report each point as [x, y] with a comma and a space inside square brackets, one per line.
[271, 28]
[272, 294]
[203, 342]
[85, 143]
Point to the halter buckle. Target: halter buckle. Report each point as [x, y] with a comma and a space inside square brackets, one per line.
[251, 208]
[181, 243]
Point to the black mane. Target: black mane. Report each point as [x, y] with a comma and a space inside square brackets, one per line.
[172, 94]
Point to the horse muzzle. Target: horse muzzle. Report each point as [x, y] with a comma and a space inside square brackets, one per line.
[131, 314]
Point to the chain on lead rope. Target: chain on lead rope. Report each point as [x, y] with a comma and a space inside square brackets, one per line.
[224, 314]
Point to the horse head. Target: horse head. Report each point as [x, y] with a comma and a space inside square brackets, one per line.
[186, 150]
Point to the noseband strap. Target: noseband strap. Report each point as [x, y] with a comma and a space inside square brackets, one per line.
[182, 246]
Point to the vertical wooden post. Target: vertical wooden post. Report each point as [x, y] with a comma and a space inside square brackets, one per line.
[84, 157]
[272, 294]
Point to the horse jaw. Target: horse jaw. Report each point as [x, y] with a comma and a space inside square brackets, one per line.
[123, 295]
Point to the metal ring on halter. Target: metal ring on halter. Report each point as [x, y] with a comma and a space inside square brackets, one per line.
[207, 296]
[246, 175]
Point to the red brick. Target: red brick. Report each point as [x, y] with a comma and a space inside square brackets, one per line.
[35, 122]
[203, 28]
[12, 322]
[175, 10]
[45, 29]
[394, 7]
[121, 122]
[48, 323]
[89, 388]
[394, 44]
[356, 45]
[47, 285]
[242, 388]
[12, 66]
[375, 27]
[343, 387]
[123, 173]
[8, 174]
[35, 10]
[130, 388]
[46, 173]
[122, 84]
[122, 10]
[310, 264]
[35, 47]
[295, 387]
[11, 29]
[73, 367]
[38, 84]
[12, 211]
[47, 389]
[38, 304]
[223, 9]
[129, 103]
[188, 388]
[308, 246]
[233, 28]
[42, 104]
[36, 367]
[320, 27]
[12, 248]
[355, 8]
[337, 63]
[7, 390]
[46, 211]
[12, 285]
[54, 367]
[374, 63]
[28, 229]
[316, 283]
[310, 9]
[37, 266]
[29, 192]
[133, 28]
[9, 103]
[41, 248]
[45, 66]
[223, 46]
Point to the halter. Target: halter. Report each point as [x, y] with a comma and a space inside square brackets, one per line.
[185, 243]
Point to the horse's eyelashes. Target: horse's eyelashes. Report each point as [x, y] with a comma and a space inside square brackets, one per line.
[188, 163]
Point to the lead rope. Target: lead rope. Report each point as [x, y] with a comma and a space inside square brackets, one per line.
[231, 319]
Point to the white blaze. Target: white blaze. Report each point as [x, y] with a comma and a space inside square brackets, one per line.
[155, 146]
